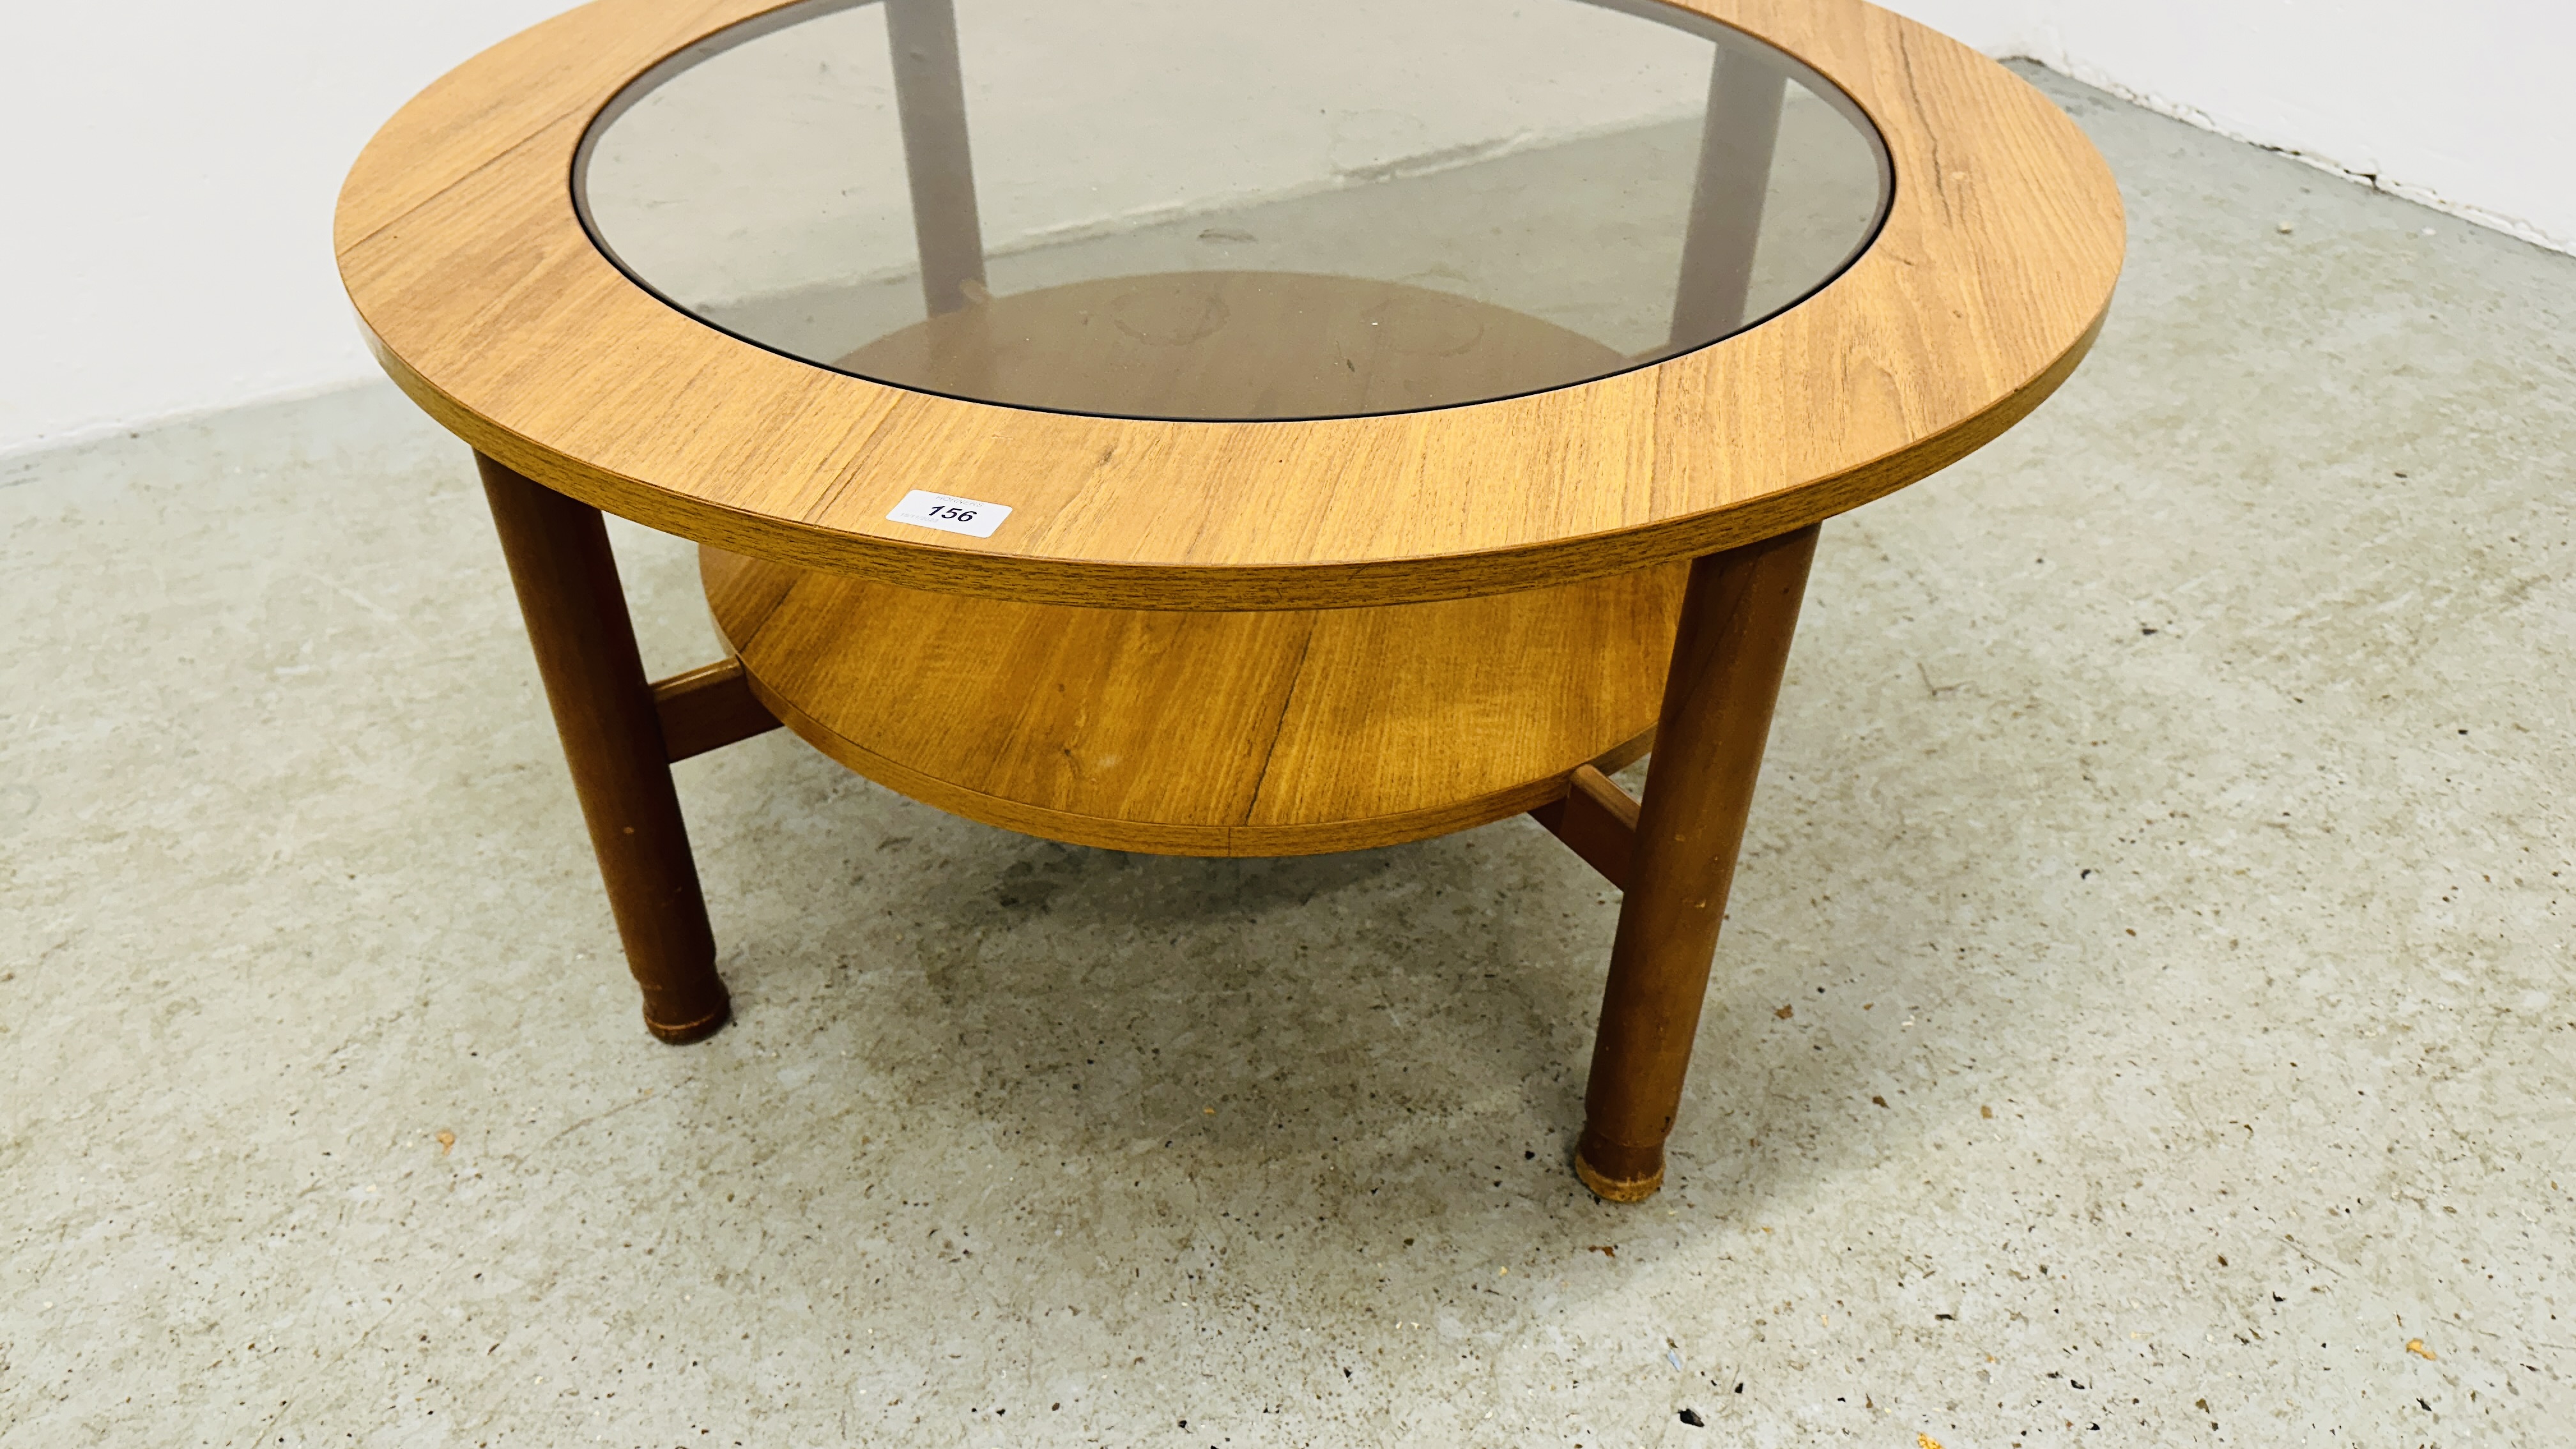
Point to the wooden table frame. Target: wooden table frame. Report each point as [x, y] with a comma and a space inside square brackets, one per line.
[1673, 855]
[1984, 287]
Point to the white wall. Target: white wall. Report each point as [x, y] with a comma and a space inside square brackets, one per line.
[170, 169]
[2467, 105]
[171, 166]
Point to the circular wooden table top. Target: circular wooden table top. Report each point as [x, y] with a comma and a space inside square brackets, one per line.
[486, 298]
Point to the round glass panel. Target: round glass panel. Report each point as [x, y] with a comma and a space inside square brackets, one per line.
[1221, 209]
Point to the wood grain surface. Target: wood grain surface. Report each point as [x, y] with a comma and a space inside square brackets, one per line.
[1732, 646]
[708, 708]
[566, 579]
[1283, 732]
[486, 300]
[1597, 821]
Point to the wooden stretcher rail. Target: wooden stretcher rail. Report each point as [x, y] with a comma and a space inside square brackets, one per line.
[709, 708]
[1598, 821]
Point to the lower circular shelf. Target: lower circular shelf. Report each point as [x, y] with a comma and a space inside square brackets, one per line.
[1243, 734]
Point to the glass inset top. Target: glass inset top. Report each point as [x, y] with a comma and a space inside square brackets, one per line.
[1220, 209]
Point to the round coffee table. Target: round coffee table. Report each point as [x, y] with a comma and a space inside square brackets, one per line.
[1188, 426]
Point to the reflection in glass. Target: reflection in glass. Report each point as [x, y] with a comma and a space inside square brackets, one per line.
[1221, 209]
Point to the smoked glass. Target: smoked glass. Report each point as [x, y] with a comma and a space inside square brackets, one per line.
[1219, 209]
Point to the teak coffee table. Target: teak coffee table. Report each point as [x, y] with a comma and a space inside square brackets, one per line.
[1204, 428]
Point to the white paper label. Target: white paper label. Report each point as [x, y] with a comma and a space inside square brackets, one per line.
[950, 515]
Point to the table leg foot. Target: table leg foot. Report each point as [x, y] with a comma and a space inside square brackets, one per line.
[683, 1033]
[612, 737]
[1620, 1189]
[1728, 656]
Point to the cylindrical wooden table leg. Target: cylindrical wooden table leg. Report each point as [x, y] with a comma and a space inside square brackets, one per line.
[1737, 620]
[585, 645]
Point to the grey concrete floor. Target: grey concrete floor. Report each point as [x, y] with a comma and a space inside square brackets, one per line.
[2148, 1003]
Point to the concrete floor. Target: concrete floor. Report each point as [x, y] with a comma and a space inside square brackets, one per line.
[2147, 1016]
